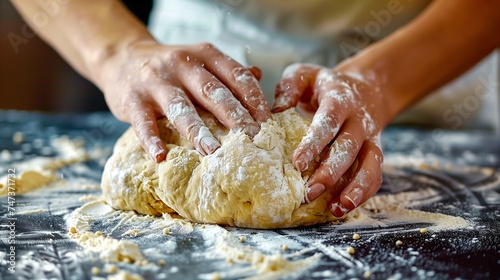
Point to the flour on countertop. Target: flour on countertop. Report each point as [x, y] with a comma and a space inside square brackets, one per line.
[39, 171]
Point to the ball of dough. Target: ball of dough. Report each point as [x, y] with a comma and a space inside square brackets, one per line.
[245, 183]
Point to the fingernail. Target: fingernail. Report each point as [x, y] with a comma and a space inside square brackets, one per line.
[338, 210]
[157, 153]
[355, 196]
[302, 163]
[251, 130]
[314, 192]
[160, 157]
[279, 104]
[277, 109]
[209, 144]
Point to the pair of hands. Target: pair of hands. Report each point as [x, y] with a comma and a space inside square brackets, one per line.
[147, 80]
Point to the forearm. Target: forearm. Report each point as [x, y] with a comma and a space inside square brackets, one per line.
[84, 32]
[443, 42]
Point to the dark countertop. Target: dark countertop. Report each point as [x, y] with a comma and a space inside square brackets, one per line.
[457, 176]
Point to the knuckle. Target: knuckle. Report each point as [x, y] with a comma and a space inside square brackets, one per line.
[192, 130]
[208, 87]
[291, 69]
[215, 92]
[376, 151]
[352, 140]
[142, 126]
[206, 46]
[243, 75]
[178, 108]
[285, 88]
[177, 55]
[238, 114]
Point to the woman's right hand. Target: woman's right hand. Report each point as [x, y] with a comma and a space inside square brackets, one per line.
[146, 81]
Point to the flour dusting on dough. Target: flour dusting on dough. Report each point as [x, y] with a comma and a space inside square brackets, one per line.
[246, 182]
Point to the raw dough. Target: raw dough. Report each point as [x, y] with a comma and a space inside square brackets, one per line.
[244, 183]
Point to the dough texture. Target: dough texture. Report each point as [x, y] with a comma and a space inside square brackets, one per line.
[245, 183]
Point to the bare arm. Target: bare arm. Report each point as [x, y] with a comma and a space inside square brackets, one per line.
[85, 33]
[355, 100]
[447, 39]
[143, 80]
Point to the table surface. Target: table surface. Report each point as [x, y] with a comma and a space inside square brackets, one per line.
[44, 250]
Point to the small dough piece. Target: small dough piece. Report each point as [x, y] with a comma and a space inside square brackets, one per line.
[245, 183]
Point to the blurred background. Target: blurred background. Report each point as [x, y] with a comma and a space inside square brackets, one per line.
[34, 77]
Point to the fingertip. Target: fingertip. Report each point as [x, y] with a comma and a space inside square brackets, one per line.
[251, 130]
[284, 100]
[157, 151]
[314, 191]
[263, 114]
[337, 209]
[278, 109]
[301, 159]
[256, 72]
[209, 145]
[160, 157]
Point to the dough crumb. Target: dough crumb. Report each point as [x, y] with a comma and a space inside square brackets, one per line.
[162, 262]
[95, 270]
[356, 236]
[216, 276]
[111, 268]
[350, 250]
[423, 230]
[166, 231]
[399, 243]
[17, 137]
[72, 230]
[367, 274]
[285, 247]
[242, 239]
[83, 238]
[344, 236]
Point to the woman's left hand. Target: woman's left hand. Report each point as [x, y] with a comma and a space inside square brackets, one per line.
[349, 114]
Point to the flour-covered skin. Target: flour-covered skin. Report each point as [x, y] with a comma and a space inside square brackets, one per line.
[347, 111]
[147, 81]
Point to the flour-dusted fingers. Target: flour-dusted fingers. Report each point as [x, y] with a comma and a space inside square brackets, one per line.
[365, 182]
[181, 112]
[324, 127]
[241, 80]
[215, 97]
[143, 120]
[333, 110]
[340, 157]
[294, 85]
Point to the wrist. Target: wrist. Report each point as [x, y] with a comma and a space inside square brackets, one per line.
[372, 77]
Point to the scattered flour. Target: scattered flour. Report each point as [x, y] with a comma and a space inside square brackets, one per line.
[39, 171]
